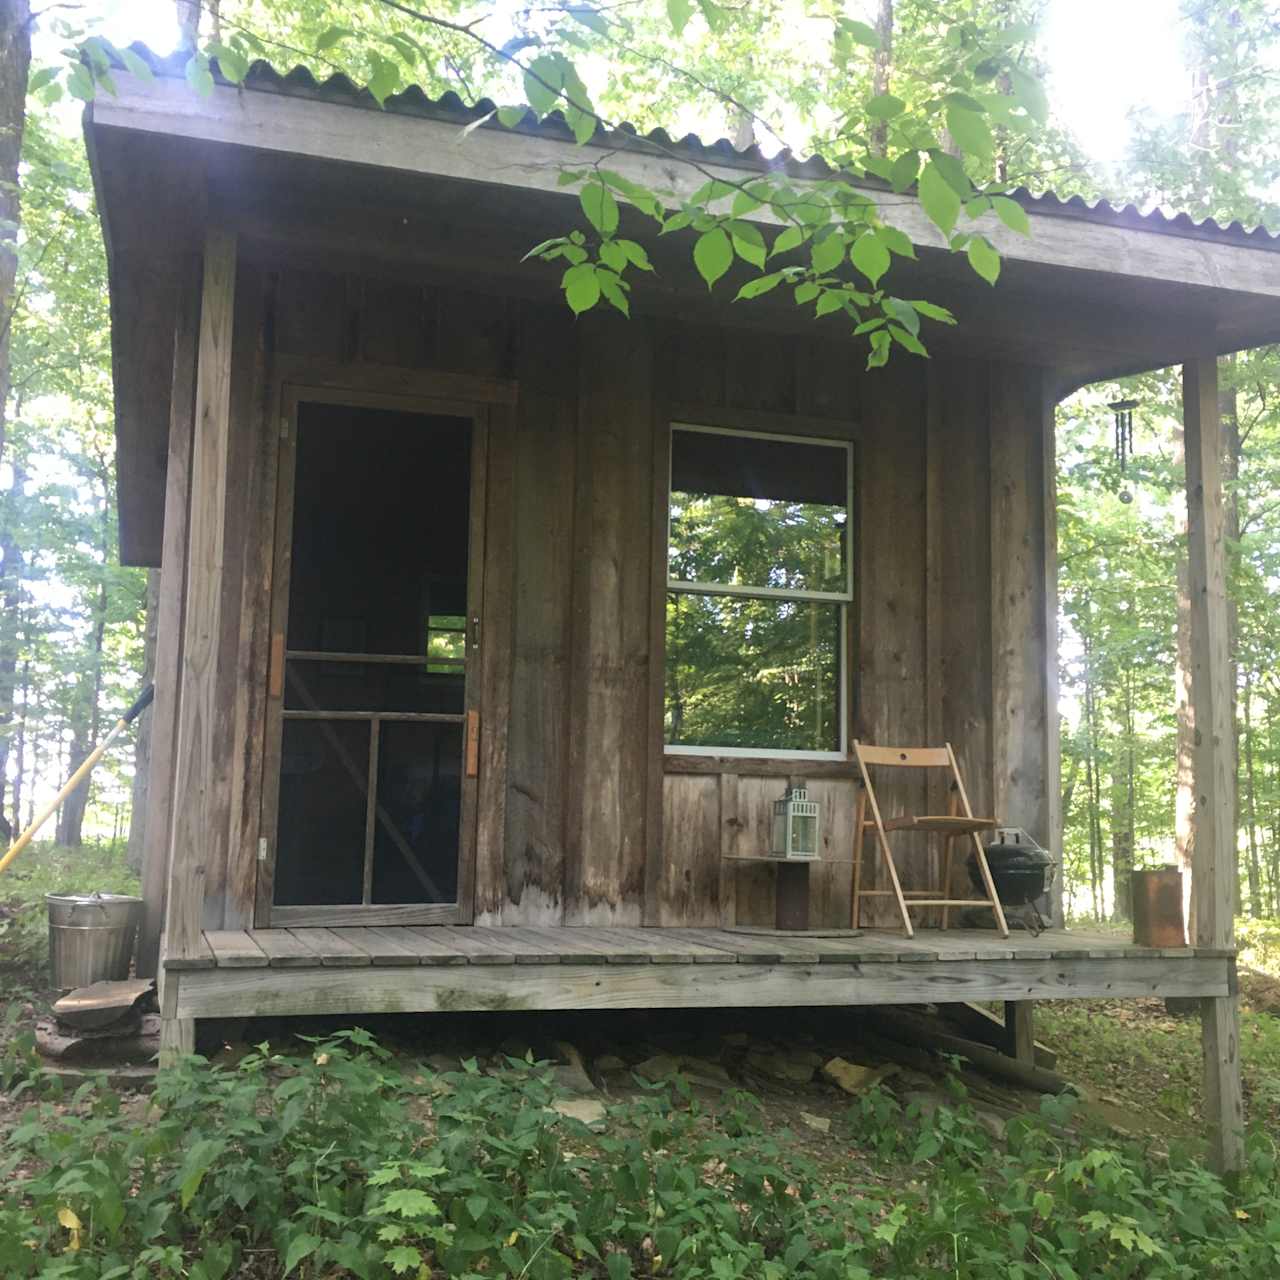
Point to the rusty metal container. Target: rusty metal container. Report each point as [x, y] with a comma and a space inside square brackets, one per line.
[1157, 908]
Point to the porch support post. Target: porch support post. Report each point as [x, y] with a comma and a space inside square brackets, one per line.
[194, 842]
[1213, 854]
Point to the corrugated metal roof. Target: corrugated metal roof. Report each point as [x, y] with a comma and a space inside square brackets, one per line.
[300, 82]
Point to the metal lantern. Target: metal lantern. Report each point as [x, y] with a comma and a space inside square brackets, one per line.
[795, 825]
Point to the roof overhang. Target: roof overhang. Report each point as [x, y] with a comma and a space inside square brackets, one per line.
[1087, 294]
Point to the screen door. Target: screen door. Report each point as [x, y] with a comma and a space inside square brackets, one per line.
[371, 703]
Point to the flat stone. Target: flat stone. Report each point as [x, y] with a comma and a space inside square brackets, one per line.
[821, 1123]
[781, 1066]
[660, 1067]
[572, 1077]
[853, 1077]
[589, 1111]
[610, 1062]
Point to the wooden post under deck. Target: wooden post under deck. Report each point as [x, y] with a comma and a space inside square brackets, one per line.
[1213, 858]
[194, 833]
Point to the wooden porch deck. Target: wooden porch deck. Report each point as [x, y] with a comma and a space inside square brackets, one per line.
[439, 968]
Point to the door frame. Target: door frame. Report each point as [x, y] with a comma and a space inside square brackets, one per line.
[428, 394]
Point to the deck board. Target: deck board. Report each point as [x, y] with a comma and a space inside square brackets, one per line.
[452, 967]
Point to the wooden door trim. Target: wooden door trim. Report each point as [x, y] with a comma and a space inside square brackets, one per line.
[290, 389]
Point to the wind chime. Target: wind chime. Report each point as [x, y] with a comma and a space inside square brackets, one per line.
[1123, 410]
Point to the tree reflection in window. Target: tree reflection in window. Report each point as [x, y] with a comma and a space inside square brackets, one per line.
[759, 585]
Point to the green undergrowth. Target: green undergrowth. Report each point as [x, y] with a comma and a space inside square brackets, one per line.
[344, 1162]
[1136, 1055]
[50, 868]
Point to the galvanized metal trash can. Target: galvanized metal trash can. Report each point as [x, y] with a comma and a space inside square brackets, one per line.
[91, 937]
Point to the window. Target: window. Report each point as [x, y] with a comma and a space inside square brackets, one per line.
[759, 582]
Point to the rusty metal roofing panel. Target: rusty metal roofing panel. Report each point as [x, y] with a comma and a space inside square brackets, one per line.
[300, 82]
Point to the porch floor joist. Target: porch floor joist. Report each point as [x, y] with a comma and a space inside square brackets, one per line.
[434, 968]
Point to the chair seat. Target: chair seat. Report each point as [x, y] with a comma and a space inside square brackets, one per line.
[947, 824]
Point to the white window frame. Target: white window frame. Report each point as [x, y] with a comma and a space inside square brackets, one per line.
[842, 598]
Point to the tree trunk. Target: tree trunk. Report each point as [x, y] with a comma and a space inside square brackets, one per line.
[15, 62]
[20, 749]
[1185, 788]
[87, 725]
[12, 575]
[1250, 803]
[880, 73]
[142, 744]
[1229, 412]
[1122, 814]
[188, 23]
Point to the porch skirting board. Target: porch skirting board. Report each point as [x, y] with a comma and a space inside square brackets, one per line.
[461, 970]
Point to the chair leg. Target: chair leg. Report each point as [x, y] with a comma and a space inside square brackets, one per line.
[992, 896]
[883, 843]
[859, 852]
[948, 843]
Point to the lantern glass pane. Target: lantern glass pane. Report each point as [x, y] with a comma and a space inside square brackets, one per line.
[804, 833]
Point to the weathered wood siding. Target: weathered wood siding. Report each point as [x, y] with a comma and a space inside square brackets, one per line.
[581, 819]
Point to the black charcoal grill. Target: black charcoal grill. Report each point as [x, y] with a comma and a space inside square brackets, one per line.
[1022, 874]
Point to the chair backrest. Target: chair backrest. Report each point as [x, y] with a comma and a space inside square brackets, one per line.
[904, 757]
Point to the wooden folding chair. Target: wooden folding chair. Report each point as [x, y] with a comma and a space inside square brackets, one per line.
[957, 823]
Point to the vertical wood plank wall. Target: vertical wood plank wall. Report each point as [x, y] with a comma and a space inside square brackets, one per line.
[581, 822]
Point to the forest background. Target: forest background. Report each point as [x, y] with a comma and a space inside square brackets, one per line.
[76, 628]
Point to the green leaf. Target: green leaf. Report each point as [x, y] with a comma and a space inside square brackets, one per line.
[678, 14]
[614, 291]
[385, 79]
[1029, 94]
[896, 241]
[748, 243]
[905, 170]
[80, 83]
[885, 106]
[613, 256]
[908, 340]
[510, 117]
[591, 19]
[402, 1258]
[762, 284]
[971, 133]
[581, 288]
[932, 311]
[635, 254]
[831, 300]
[881, 342]
[542, 83]
[410, 1202]
[870, 256]
[984, 259]
[939, 199]
[860, 32]
[196, 71]
[713, 255]
[600, 207]
[903, 313]
[714, 16]
[806, 291]
[1012, 214]
[618, 1265]
[133, 64]
[953, 172]
[789, 238]
[828, 253]
[301, 1246]
[199, 1160]
[233, 65]
[331, 36]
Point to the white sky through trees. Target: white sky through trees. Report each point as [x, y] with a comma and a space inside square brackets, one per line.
[1107, 58]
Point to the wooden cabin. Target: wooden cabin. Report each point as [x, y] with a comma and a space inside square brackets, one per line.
[455, 708]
